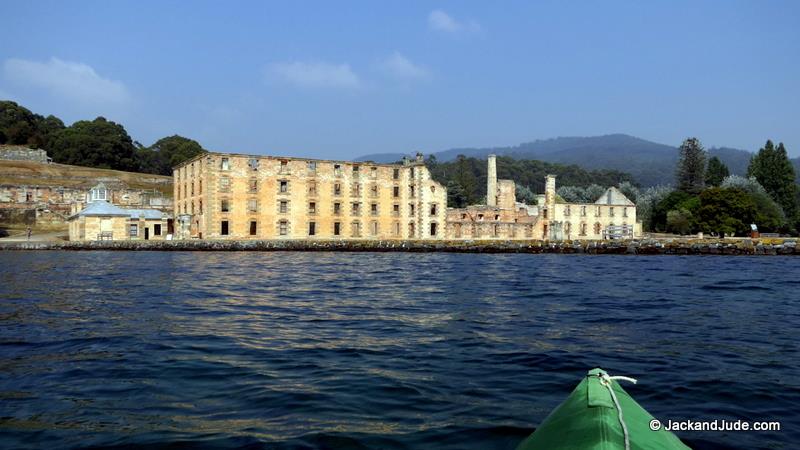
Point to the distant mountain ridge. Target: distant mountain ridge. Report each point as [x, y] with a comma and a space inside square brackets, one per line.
[649, 162]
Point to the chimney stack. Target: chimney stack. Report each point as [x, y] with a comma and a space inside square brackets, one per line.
[550, 194]
[491, 181]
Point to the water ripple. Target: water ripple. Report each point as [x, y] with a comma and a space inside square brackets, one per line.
[397, 351]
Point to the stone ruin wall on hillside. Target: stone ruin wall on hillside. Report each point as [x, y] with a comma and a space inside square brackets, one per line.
[51, 205]
[21, 153]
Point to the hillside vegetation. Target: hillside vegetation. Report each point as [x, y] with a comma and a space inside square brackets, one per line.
[465, 177]
[96, 143]
[707, 198]
[648, 162]
[28, 173]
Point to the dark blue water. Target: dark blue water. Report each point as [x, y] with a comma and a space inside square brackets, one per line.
[344, 350]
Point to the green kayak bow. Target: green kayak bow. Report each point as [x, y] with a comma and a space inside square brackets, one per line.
[600, 415]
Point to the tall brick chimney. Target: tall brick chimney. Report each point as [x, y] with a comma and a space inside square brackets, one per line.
[550, 204]
[491, 181]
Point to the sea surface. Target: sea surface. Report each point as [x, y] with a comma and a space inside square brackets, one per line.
[384, 350]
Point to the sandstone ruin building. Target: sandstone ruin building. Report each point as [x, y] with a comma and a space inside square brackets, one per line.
[236, 196]
[612, 216]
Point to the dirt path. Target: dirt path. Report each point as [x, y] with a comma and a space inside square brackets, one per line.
[36, 237]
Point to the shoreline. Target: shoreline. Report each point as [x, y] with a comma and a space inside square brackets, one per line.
[634, 247]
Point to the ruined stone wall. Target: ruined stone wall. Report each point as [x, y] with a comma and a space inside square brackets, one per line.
[551, 220]
[506, 194]
[46, 205]
[22, 153]
[488, 222]
[274, 197]
[22, 216]
[432, 205]
[53, 205]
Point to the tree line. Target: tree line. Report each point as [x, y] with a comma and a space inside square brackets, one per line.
[706, 198]
[465, 177]
[97, 143]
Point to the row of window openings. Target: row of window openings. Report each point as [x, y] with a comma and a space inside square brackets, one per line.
[283, 188]
[311, 168]
[355, 208]
[476, 230]
[597, 211]
[199, 188]
[133, 229]
[529, 229]
[480, 216]
[355, 228]
[598, 228]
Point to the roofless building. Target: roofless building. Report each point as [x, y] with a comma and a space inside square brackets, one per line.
[238, 196]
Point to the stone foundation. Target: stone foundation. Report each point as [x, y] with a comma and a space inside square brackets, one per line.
[743, 247]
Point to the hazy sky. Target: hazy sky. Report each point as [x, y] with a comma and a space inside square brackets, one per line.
[346, 78]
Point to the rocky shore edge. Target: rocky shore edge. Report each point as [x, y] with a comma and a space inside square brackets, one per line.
[635, 247]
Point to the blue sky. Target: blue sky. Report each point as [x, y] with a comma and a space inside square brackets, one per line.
[343, 79]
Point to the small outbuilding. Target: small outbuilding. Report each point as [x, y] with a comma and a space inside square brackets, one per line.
[102, 221]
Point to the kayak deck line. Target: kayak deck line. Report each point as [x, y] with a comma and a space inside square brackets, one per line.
[591, 418]
[606, 381]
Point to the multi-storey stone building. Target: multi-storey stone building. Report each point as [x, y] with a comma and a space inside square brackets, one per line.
[236, 196]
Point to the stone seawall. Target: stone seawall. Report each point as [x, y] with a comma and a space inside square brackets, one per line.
[648, 247]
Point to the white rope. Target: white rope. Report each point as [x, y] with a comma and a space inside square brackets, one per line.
[620, 377]
[607, 382]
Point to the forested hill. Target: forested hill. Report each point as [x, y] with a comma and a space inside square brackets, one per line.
[97, 143]
[648, 162]
[101, 143]
[465, 177]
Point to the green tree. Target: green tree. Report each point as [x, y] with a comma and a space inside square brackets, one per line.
[19, 126]
[673, 201]
[680, 221]
[167, 153]
[465, 177]
[525, 195]
[716, 172]
[471, 174]
[769, 215]
[572, 194]
[577, 194]
[728, 211]
[773, 170]
[593, 192]
[691, 166]
[647, 202]
[431, 161]
[97, 143]
[630, 190]
[456, 198]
